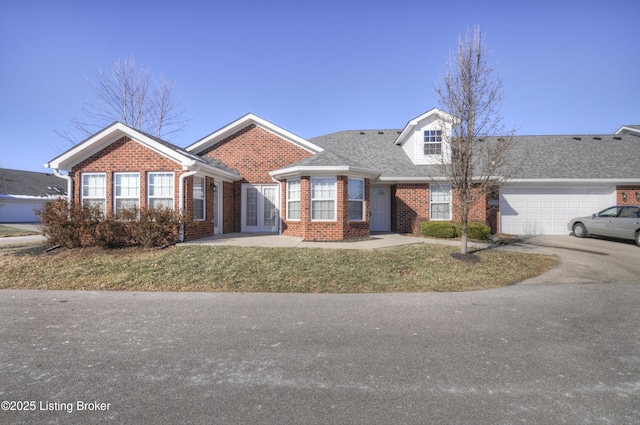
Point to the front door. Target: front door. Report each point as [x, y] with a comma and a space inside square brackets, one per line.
[380, 209]
[259, 208]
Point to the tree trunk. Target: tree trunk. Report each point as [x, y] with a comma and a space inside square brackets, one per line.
[463, 243]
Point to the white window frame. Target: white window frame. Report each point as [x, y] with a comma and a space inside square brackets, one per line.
[440, 190]
[432, 139]
[202, 198]
[117, 197]
[93, 198]
[292, 200]
[333, 199]
[350, 200]
[151, 197]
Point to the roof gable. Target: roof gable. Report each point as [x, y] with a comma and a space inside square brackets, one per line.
[245, 121]
[117, 131]
[431, 114]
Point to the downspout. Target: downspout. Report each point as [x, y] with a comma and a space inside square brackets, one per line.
[181, 199]
[69, 180]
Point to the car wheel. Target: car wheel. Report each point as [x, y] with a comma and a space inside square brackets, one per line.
[580, 231]
[638, 238]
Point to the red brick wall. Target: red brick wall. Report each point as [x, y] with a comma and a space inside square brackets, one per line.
[631, 195]
[253, 151]
[125, 155]
[410, 206]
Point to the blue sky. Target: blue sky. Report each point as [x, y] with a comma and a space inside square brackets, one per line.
[570, 67]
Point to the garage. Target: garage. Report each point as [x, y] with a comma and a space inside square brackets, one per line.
[546, 211]
[20, 210]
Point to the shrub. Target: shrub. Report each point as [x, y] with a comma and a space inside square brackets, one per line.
[478, 231]
[157, 227]
[74, 226]
[70, 225]
[438, 229]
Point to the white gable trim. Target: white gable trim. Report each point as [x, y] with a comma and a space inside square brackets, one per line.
[407, 132]
[625, 129]
[245, 121]
[110, 135]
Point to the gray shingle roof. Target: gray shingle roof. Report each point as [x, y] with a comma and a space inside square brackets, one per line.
[568, 156]
[29, 183]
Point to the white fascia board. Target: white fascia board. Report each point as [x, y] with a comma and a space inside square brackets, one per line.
[108, 136]
[244, 121]
[217, 173]
[404, 179]
[575, 181]
[628, 129]
[324, 170]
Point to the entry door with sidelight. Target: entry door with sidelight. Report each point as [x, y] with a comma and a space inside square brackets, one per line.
[259, 208]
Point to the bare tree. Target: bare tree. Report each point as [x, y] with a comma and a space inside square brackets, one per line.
[480, 147]
[131, 95]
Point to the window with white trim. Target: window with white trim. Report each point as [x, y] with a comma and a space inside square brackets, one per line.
[440, 202]
[199, 212]
[94, 190]
[323, 198]
[293, 199]
[160, 190]
[126, 191]
[356, 199]
[433, 142]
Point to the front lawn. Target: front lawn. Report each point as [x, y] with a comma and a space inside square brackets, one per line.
[415, 268]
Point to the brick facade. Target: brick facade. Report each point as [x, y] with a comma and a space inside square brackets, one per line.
[125, 155]
[632, 192]
[253, 151]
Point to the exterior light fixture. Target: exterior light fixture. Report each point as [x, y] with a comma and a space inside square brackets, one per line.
[624, 196]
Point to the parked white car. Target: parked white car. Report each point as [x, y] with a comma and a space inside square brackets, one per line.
[621, 221]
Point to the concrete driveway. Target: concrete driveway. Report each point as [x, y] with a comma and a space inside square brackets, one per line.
[546, 351]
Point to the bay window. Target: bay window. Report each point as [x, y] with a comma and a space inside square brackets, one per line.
[293, 199]
[323, 198]
[356, 199]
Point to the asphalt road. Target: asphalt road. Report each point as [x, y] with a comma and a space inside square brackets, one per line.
[538, 352]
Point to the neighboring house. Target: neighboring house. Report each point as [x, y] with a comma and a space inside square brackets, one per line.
[253, 176]
[22, 192]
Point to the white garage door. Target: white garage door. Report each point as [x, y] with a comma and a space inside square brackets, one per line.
[546, 211]
[12, 211]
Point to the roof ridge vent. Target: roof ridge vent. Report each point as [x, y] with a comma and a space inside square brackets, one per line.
[577, 138]
[597, 138]
[380, 132]
[617, 138]
[362, 132]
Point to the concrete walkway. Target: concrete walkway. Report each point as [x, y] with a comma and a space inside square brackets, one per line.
[376, 241]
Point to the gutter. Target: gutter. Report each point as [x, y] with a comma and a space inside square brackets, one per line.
[181, 195]
[69, 183]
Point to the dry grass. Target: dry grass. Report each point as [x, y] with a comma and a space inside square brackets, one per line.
[416, 268]
[10, 231]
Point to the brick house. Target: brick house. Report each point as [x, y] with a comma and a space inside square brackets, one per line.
[253, 176]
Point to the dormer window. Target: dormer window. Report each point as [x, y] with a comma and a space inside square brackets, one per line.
[433, 142]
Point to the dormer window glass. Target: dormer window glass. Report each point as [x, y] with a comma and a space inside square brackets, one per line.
[433, 142]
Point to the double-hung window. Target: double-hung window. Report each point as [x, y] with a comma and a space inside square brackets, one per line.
[323, 198]
[126, 191]
[293, 199]
[94, 190]
[433, 142]
[440, 205]
[356, 199]
[198, 198]
[160, 190]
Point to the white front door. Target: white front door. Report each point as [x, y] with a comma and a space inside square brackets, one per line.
[260, 208]
[380, 209]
